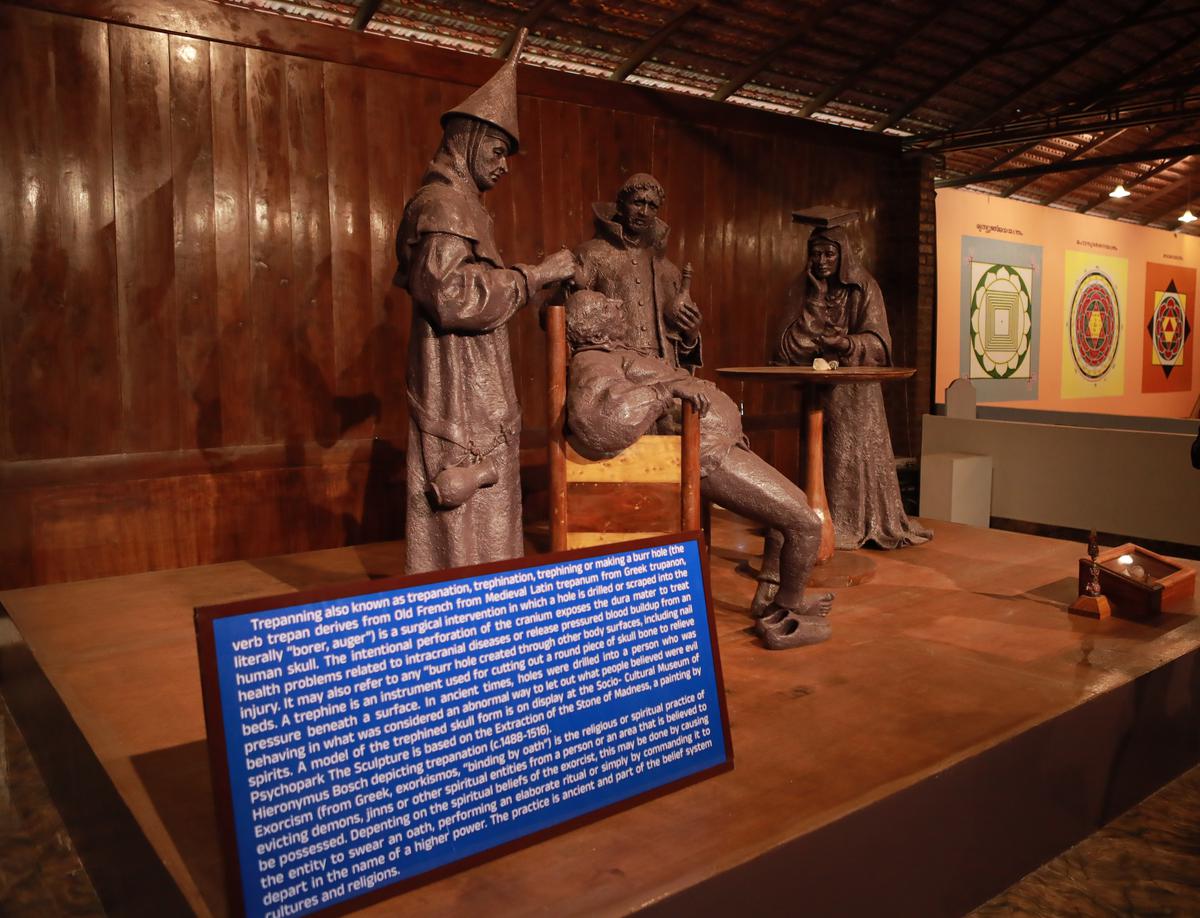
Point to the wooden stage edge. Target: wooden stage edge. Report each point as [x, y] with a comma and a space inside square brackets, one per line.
[958, 730]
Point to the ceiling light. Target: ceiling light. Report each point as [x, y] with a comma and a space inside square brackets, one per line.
[1119, 192]
[1187, 216]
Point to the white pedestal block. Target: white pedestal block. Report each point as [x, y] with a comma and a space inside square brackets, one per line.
[957, 487]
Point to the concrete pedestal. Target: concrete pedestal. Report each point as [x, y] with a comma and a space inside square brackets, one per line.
[957, 487]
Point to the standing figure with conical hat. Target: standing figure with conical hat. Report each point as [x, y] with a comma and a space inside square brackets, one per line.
[464, 488]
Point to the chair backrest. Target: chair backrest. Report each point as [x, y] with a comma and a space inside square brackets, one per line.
[652, 487]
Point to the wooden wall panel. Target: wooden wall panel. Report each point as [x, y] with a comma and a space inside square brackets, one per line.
[392, 168]
[588, 165]
[230, 370]
[552, 166]
[87, 233]
[310, 405]
[127, 526]
[17, 250]
[195, 242]
[353, 318]
[270, 245]
[199, 259]
[145, 227]
[32, 337]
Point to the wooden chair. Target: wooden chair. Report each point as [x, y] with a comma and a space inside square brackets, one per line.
[651, 488]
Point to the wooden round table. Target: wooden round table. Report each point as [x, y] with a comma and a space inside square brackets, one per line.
[817, 384]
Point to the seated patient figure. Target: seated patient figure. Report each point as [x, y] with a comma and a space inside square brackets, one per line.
[616, 394]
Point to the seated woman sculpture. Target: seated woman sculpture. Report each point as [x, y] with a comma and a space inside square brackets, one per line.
[616, 394]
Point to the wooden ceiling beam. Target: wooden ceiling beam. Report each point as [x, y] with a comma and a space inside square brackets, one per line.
[366, 10]
[1165, 191]
[1132, 183]
[528, 20]
[1102, 31]
[654, 42]
[912, 104]
[1174, 208]
[1182, 108]
[1020, 150]
[810, 18]
[1094, 144]
[1192, 81]
[1140, 150]
[1165, 88]
[876, 58]
[1048, 74]
[1105, 92]
[1092, 162]
[1101, 95]
[1073, 187]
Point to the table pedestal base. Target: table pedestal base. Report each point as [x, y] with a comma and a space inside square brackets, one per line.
[844, 569]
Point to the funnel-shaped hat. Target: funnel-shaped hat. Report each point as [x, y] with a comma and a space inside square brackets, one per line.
[495, 102]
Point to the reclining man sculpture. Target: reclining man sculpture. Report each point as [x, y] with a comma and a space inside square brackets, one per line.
[616, 394]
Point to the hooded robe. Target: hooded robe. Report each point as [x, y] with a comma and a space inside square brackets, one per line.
[462, 401]
[860, 468]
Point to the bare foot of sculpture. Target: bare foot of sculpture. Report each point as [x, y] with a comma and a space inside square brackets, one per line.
[816, 605]
[453, 487]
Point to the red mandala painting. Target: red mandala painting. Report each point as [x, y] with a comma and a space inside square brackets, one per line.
[1167, 348]
[1167, 329]
[1095, 326]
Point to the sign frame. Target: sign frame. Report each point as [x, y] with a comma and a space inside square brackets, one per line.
[214, 721]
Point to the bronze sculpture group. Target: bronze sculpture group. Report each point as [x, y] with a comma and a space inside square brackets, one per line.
[635, 338]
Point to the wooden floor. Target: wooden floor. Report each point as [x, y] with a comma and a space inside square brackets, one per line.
[950, 658]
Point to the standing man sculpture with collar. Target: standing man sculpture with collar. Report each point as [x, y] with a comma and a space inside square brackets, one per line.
[625, 261]
[464, 488]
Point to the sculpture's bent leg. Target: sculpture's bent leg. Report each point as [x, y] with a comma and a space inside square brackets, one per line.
[752, 487]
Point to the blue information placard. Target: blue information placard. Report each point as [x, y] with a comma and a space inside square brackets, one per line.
[369, 738]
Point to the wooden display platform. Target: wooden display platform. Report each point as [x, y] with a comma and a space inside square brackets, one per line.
[959, 729]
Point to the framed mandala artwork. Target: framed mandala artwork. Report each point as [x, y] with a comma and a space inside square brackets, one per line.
[1168, 326]
[1001, 321]
[1093, 338]
[1095, 325]
[1167, 329]
[1000, 318]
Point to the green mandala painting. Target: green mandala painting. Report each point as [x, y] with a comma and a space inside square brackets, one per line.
[1001, 321]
